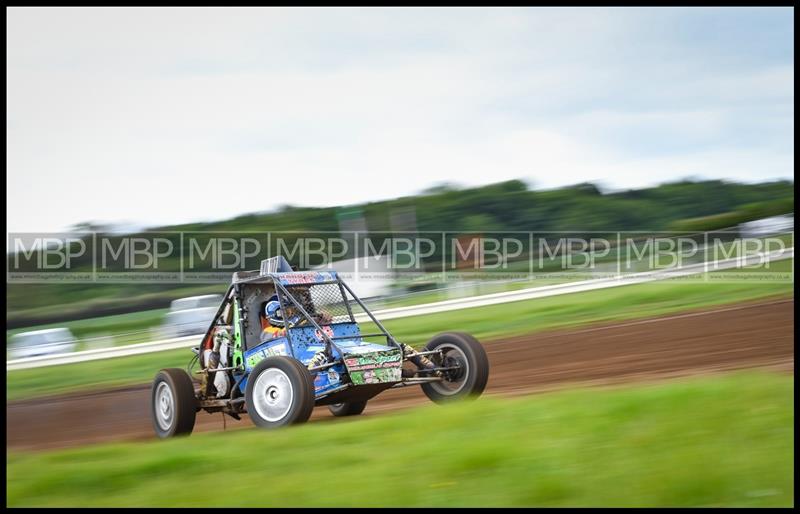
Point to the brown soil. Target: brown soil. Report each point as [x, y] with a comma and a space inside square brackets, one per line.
[734, 337]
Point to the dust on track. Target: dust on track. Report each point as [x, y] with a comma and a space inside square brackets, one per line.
[698, 342]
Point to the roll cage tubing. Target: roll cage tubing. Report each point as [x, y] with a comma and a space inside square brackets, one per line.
[282, 292]
[225, 302]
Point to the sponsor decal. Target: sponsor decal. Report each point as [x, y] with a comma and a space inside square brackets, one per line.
[375, 376]
[261, 354]
[372, 360]
[255, 358]
[333, 377]
[306, 278]
[326, 329]
[278, 349]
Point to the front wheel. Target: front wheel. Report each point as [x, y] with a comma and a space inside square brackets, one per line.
[280, 391]
[466, 363]
[173, 403]
[347, 409]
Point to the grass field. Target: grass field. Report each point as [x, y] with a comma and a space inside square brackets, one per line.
[615, 304]
[712, 441]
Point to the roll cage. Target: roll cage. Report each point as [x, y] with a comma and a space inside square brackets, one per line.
[242, 304]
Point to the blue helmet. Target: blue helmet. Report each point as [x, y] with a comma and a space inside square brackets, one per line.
[272, 311]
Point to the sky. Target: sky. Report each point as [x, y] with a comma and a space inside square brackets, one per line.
[155, 116]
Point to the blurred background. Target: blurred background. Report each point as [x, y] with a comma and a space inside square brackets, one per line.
[179, 126]
[137, 311]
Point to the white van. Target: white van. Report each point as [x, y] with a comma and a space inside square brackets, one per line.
[191, 316]
[50, 341]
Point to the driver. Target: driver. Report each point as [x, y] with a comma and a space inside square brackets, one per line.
[274, 325]
[273, 322]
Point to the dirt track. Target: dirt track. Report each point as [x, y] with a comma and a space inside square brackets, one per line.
[739, 336]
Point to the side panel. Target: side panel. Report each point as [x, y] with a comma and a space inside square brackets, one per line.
[366, 363]
[328, 379]
[279, 346]
[324, 380]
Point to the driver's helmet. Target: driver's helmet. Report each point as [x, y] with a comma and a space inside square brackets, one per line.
[272, 311]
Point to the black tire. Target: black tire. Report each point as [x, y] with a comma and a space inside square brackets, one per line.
[467, 382]
[279, 392]
[173, 404]
[348, 409]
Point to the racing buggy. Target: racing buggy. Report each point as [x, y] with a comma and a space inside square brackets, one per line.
[317, 355]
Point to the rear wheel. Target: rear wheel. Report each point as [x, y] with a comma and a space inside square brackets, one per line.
[173, 403]
[280, 391]
[347, 409]
[467, 367]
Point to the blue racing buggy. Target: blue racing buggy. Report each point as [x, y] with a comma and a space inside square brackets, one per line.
[284, 341]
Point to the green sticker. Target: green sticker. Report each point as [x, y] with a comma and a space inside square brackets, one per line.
[375, 376]
[238, 358]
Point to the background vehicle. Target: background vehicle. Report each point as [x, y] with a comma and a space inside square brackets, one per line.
[322, 358]
[41, 342]
[190, 316]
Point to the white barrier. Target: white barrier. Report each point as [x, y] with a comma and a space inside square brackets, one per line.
[429, 308]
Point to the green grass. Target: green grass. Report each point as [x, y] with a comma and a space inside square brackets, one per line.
[712, 441]
[615, 304]
[474, 288]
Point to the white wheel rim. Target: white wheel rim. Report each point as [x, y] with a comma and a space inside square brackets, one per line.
[273, 394]
[440, 387]
[164, 406]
